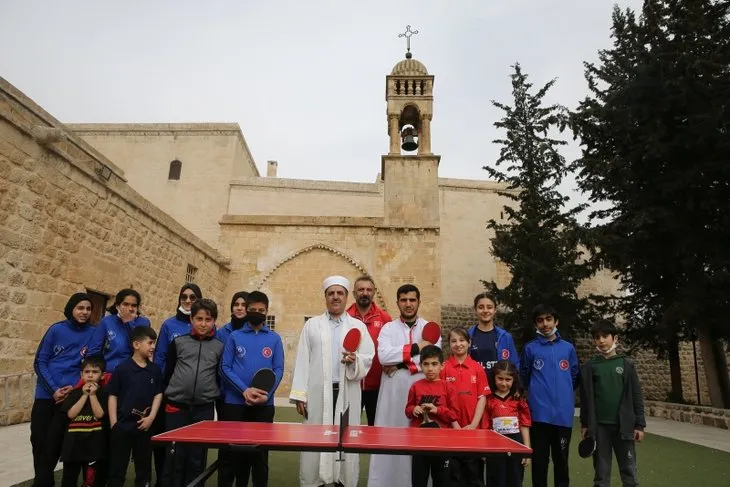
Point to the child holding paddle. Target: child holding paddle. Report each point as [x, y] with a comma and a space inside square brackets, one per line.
[611, 409]
[430, 405]
[252, 367]
[507, 413]
[469, 381]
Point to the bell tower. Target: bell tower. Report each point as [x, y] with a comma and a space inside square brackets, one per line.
[409, 95]
[410, 169]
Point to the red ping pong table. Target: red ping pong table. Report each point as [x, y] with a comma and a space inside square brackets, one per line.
[243, 436]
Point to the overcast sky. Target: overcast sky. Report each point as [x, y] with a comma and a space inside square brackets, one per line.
[304, 79]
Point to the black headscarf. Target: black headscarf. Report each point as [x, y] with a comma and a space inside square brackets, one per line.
[237, 323]
[71, 304]
[196, 290]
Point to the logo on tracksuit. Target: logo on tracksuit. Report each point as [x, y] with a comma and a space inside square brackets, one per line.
[240, 351]
[266, 352]
[564, 364]
[538, 364]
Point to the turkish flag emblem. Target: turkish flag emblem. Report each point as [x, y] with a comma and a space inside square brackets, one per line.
[266, 352]
[564, 364]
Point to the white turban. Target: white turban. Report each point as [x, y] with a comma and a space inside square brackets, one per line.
[336, 281]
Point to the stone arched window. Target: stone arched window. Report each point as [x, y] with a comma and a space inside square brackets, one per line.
[175, 169]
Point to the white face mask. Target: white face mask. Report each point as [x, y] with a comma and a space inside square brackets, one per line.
[184, 311]
[610, 350]
[548, 334]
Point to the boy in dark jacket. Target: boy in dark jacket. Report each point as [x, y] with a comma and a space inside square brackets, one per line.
[135, 395]
[249, 349]
[191, 375]
[611, 407]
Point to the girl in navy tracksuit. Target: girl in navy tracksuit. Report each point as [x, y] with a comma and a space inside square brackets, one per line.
[238, 317]
[58, 367]
[111, 336]
[490, 343]
[171, 328]
[247, 350]
[550, 371]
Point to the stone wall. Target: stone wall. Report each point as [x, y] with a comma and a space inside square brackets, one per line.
[718, 418]
[212, 154]
[298, 197]
[288, 257]
[64, 228]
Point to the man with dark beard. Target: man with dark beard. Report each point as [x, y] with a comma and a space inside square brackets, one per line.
[374, 317]
[399, 346]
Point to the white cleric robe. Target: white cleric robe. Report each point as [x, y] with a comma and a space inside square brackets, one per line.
[394, 344]
[312, 383]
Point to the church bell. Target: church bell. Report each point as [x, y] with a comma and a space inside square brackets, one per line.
[408, 137]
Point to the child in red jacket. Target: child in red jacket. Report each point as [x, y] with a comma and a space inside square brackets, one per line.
[430, 404]
[507, 413]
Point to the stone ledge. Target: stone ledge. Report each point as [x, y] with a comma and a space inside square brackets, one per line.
[688, 413]
[371, 189]
[302, 221]
[451, 184]
[154, 128]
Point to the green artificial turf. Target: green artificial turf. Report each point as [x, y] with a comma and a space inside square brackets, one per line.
[662, 461]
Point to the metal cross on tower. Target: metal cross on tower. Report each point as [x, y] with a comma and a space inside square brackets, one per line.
[407, 34]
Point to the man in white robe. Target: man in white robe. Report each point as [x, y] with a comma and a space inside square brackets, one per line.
[399, 346]
[327, 379]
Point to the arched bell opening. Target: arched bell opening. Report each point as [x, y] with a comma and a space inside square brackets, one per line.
[409, 128]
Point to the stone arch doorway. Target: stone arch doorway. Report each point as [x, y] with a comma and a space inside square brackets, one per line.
[295, 293]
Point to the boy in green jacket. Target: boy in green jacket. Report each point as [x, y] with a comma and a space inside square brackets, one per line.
[611, 407]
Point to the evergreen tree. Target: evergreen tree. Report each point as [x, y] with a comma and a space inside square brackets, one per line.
[656, 135]
[540, 240]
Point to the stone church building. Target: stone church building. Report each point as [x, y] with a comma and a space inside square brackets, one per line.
[98, 207]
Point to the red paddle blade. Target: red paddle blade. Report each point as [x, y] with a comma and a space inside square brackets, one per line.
[431, 332]
[352, 340]
[264, 379]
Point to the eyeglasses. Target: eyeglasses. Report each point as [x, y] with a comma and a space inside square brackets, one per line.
[188, 297]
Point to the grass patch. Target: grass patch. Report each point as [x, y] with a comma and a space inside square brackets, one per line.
[662, 461]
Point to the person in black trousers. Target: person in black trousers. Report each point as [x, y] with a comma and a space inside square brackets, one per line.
[135, 395]
[191, 375]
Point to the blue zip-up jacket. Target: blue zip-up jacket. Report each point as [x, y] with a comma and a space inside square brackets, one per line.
[111, 338]
[58, 358]
[550, 371]
[171, 328]
[224, 332]
[245, 352]
[505, 345]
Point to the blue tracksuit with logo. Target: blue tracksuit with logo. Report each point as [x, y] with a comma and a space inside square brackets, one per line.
[111, 338]
[58, 358]
[550, 372]
[505, 345]
[224, 332]
[245, 352]
[171, 328]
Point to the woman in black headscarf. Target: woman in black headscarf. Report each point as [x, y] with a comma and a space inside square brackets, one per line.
[58, 367]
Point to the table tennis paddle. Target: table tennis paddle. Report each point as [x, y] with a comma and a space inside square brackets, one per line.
[431, 332]
[142, 414]
[264, 379]
[586, 447]
[352, 340]
[427, 422]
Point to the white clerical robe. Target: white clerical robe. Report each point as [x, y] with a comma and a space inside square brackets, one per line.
[394, 344]
[312, 383]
